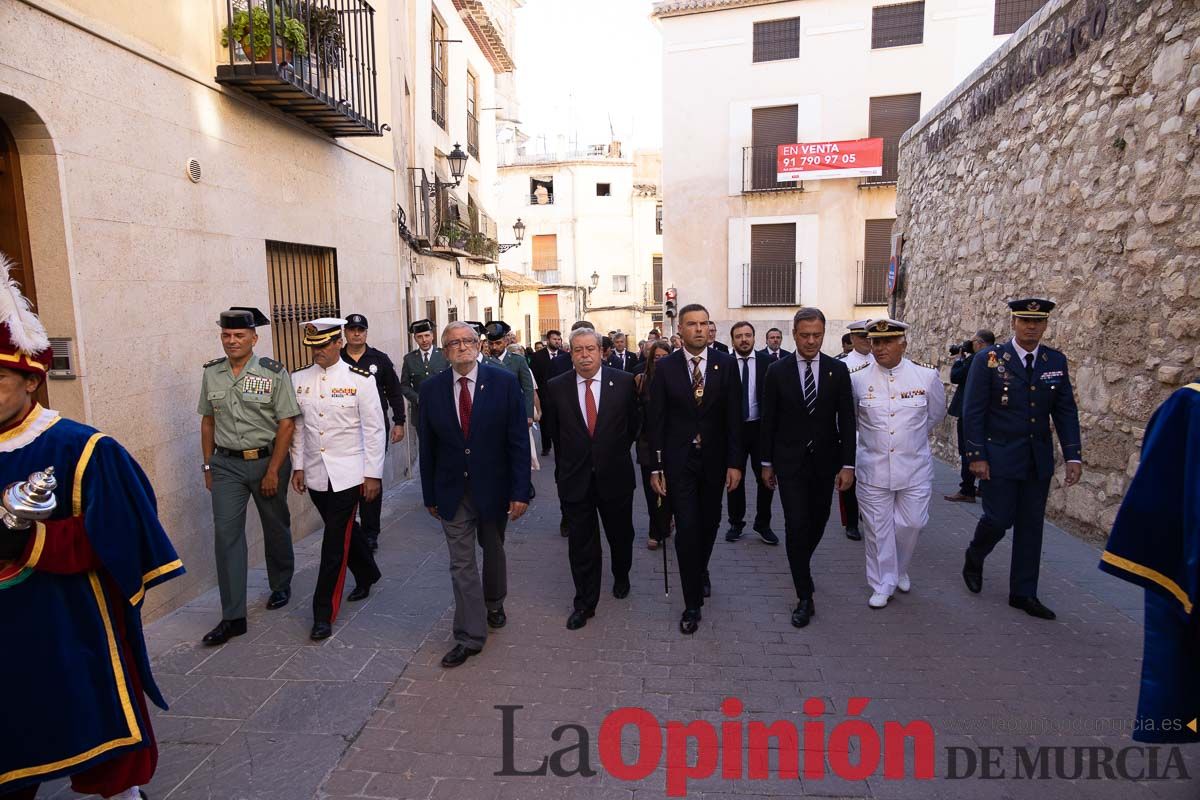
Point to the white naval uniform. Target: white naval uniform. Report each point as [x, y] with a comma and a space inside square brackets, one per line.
[896, 409]
[339, 437]
[855, 359]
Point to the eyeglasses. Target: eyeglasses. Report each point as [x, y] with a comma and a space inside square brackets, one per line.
[456, 343]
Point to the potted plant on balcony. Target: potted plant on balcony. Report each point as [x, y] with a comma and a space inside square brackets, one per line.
[453, 235]
[325, 33]
[250, 27]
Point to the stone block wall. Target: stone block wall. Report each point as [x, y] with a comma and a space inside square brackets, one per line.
[1066, 166]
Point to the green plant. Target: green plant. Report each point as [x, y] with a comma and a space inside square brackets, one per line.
[324, 32]
[288, 30]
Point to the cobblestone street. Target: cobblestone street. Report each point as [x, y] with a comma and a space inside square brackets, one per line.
[369, 713]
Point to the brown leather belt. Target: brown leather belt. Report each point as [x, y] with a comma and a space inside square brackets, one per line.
[245, 455]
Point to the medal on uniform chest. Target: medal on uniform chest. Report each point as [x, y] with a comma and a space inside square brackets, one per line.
[1004, 396]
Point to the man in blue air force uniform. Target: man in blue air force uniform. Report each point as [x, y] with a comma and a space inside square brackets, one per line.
[1013, 391]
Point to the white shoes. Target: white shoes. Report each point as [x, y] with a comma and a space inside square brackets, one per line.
[878, 600]
[904, 584]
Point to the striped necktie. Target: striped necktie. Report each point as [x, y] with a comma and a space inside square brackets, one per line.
[697, 380]
[810, 387]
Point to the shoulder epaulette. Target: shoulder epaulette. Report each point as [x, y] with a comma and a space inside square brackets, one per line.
[925, 364]
[359, 371]
[840, 356]
[214, 362]
[863, 365]
[271, 364]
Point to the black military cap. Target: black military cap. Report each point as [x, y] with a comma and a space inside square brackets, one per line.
[496, 330]
[242, 317]
[421, 326]
[1031, 308]
[356, 321]
[477, 326]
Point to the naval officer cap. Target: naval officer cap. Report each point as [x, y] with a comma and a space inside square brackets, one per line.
[1031, 308]
[241, 317]
[320, 332]
[496, 330]
[356, 321]
[884, 328]
[421, 326]
[858, 327]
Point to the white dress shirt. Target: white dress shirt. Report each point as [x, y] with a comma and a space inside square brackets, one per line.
[702, 355]
[1021, 352]
[340, 434]
[581, 387]
[896, 409]
[752, 379]
[472, 377]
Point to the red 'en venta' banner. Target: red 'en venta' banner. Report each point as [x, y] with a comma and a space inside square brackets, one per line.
[808, 161]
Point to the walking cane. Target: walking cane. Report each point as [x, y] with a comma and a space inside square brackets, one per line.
[666, 572]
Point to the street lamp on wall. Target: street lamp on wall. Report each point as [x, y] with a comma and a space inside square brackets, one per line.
[595, 280]
[458, 163]
[519, 232]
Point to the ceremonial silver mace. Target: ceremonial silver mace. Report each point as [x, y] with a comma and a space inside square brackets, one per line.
[26, 501]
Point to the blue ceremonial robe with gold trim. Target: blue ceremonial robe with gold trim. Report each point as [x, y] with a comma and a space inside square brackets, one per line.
[1155, 543]
[74, 653]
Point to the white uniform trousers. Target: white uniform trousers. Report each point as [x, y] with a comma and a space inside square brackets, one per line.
[892, 519]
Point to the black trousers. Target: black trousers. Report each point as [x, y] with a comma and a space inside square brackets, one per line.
[736, 500]
[659, 507]
[696, 503]
[1020, 505]
[807, 501]
[369, 511]
[966, 484]
[583, 542]
[343, 546]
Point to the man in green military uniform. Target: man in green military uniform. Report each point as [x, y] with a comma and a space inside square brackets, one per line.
[248, 410]
[422, 362]
[498, 355]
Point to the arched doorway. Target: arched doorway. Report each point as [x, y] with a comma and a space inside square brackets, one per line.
[14, 227]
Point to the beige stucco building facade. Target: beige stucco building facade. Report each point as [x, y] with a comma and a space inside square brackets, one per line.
[743, 76]
[146, 187]
[590, 218]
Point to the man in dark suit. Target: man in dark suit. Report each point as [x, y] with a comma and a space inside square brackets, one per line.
[475, 477]
[712, 339]
[807, 438]
[694, 425]
[1013, 391]
[622, 358]
[958, 376]
[593, 414]
[752, 372]
[774, 349]
[549, 356]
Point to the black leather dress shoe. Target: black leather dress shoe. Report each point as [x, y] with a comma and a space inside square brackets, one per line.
[973, 576]
[733, 534]
[361, 592]
[853, 534]
[1031, 606]
[563, 530]
[707, 586]
[458, 655]
[690, 621]
[279, 599]
[321, 630]
[226, 630]
[142, 795]
[621, 589]
[767, 535]
[496, 618]
[578, 619]
[805, 611]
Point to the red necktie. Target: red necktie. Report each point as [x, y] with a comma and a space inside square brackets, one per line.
[589, 403]
[464, 407]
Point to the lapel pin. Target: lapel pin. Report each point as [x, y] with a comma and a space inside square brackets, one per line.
[610, 383]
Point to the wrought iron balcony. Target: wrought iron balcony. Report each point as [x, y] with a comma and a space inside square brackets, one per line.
[421, 224]
[771, 284]
[759, 168]
[311, 59]
[891, 166]
[872, 284]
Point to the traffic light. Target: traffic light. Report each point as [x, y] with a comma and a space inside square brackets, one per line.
[669, 304]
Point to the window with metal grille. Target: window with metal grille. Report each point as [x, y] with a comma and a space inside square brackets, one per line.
[897, 25]
[451, 314]
[658, 219]
[877, 252]
[431, 315]
[770, 277]
[890, 117]
[777, 39]
[472, 114]
[770, 127]
[303, 285]
[437, 44]
[656, 296]
[1012, 14]
[487, 314]
[620, 283]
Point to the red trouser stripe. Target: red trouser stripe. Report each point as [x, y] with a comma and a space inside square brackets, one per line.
[341, 581]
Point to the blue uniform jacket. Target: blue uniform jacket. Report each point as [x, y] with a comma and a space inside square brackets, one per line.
[1006, 415]
[495, 458]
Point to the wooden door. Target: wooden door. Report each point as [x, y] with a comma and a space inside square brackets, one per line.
[14, 229]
